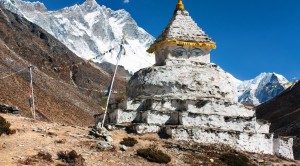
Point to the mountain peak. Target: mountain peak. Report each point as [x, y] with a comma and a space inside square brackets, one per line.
[92, 4]
[262, 88]
[91, 30]
[90, 1]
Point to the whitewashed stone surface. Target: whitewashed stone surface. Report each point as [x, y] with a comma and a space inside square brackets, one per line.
[182, 27]
[147, 128]
[283, 146]
[194, 81]
[257, 143]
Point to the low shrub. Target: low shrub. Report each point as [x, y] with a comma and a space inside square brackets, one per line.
[50, 133]
[60, 141]
[72, 158]
[234, 159]
[27, 161]
[149, 138]
[121, 97]
[154, 155]
[44, 156]
[59, 164]
[34, 160]
[5, 127]
[129, 142]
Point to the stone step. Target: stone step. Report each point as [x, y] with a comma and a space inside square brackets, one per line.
[283, 146]
[251, 142]
[159, 117]
[149, 128]
[193, 106]
[242, 124]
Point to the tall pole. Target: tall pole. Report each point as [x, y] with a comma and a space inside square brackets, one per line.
[31, 86]
[113, 80]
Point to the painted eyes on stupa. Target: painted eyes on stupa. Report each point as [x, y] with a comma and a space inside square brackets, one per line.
[180, 51]
[196, 52]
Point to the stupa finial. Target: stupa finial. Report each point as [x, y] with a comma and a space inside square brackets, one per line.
[179, 5]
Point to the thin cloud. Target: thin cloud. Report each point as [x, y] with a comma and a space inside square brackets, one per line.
[126, 1]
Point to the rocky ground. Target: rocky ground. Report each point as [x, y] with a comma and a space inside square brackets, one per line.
[33, 136]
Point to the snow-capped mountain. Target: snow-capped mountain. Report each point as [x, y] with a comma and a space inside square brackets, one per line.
[90, 30]
[262, 88]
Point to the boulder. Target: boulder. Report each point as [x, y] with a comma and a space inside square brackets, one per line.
[103, 146]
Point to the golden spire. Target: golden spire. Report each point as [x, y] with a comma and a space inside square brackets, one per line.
[179, 5]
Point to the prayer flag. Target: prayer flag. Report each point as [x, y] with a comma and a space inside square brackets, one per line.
[106, 93]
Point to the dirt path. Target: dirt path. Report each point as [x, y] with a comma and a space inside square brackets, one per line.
[35, 136]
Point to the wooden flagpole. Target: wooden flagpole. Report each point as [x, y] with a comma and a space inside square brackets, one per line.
[31, 86]
[112, 82]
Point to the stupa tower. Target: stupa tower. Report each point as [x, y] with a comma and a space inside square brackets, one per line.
[182, 39]
[188, 98]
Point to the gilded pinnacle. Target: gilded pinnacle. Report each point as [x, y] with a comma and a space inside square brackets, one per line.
[179, 5]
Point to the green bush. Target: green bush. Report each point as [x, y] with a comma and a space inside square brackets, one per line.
[232, 159]
[5, 127]
[129, 142]
[154, 155]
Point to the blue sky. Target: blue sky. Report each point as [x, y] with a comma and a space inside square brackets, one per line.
[252, 36]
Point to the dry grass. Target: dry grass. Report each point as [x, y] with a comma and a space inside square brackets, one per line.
[71, 157]
[129, 142]
[234, 159]
[153, 154]
[5, 127]
[43, 157]
[60, 141]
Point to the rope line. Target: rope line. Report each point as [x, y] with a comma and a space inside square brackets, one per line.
[135, 53]
[62, 82]
[2, 78]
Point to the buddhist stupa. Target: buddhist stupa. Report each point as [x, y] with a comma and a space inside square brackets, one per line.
[188, 98]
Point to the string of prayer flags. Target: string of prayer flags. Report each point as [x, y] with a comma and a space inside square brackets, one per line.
[1, 78]
[106, 52]
[69, 67]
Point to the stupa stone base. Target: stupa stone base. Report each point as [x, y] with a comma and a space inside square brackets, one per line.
[195, 102]
[222, 124]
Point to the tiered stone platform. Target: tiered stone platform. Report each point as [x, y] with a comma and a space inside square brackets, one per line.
[201, 121]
